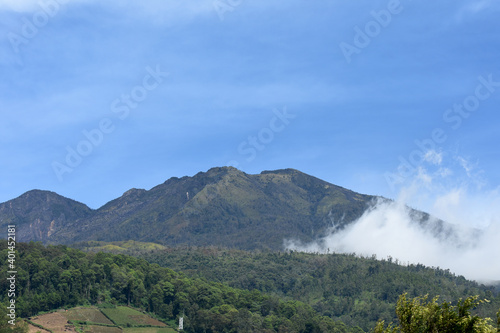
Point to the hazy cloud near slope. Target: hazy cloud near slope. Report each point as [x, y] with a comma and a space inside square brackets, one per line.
[389, 229]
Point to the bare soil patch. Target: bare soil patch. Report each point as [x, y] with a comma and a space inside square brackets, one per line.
[34, 329]
[56, 322]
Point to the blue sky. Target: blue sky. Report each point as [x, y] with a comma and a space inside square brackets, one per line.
[171, 88]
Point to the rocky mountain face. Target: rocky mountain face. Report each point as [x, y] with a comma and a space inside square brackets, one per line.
[38, 215]
[222, 206]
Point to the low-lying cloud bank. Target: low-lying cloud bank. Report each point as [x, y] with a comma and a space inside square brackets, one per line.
[390, 230]
[468, 245]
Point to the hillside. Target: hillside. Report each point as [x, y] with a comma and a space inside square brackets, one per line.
[54, 277]
[357, 291]
[222, 206]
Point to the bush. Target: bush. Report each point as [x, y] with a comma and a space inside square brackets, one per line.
[421, 316]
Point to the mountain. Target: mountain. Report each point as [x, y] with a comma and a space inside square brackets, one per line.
[39, 214]
[223, 206]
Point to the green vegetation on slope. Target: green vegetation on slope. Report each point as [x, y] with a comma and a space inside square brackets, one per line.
[128, 317]
[87, 314]
[122, 247]
[358, 291]
[57, 276]
[421, 316]
[220, 206]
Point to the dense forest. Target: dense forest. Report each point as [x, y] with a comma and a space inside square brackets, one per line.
[58, 276]
[236, 291]
[357, 291]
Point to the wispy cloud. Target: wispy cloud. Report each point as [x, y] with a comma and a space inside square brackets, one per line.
[474, 173]
[475, 7]
[160, 11]
[18, 5]
[25, 6]
[167, 12]
[433, 157]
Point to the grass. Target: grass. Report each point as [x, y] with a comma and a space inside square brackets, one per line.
[149, 330]
[91, 315]
[101, 329]
[121, 246]
[124, 316]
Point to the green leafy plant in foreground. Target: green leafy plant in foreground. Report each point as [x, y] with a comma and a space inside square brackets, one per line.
[421, 316]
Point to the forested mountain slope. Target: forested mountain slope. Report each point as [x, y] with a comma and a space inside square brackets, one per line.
[57, 276]
[223, 206]
[358, 291]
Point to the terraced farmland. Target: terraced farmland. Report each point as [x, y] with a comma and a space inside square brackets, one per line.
[92, 315]
[121, 319]
[126, 317]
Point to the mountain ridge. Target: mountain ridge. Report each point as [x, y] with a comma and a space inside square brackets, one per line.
[223, 205]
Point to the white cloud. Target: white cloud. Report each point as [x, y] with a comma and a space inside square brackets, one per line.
[444, 172]
[446, 204]
[389, 230]
[165, 12]
[433, 157]
[18, 5]
[475, 7]
[466, 165]
[423, 176]
[30, 5]
[161, 11]
[474, 174]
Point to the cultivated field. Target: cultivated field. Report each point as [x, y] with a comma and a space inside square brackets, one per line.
[56, 322]
[92, 315]
[149, 330]
[34, 329]
[124, 316]
[101, 329]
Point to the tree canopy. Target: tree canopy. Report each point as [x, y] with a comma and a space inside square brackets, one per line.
[58, 276]
[418, 315]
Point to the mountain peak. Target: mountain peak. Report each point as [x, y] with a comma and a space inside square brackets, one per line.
[39, 214]
[281, 171]
[222, 171]
[39, 193]
[42, 195]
